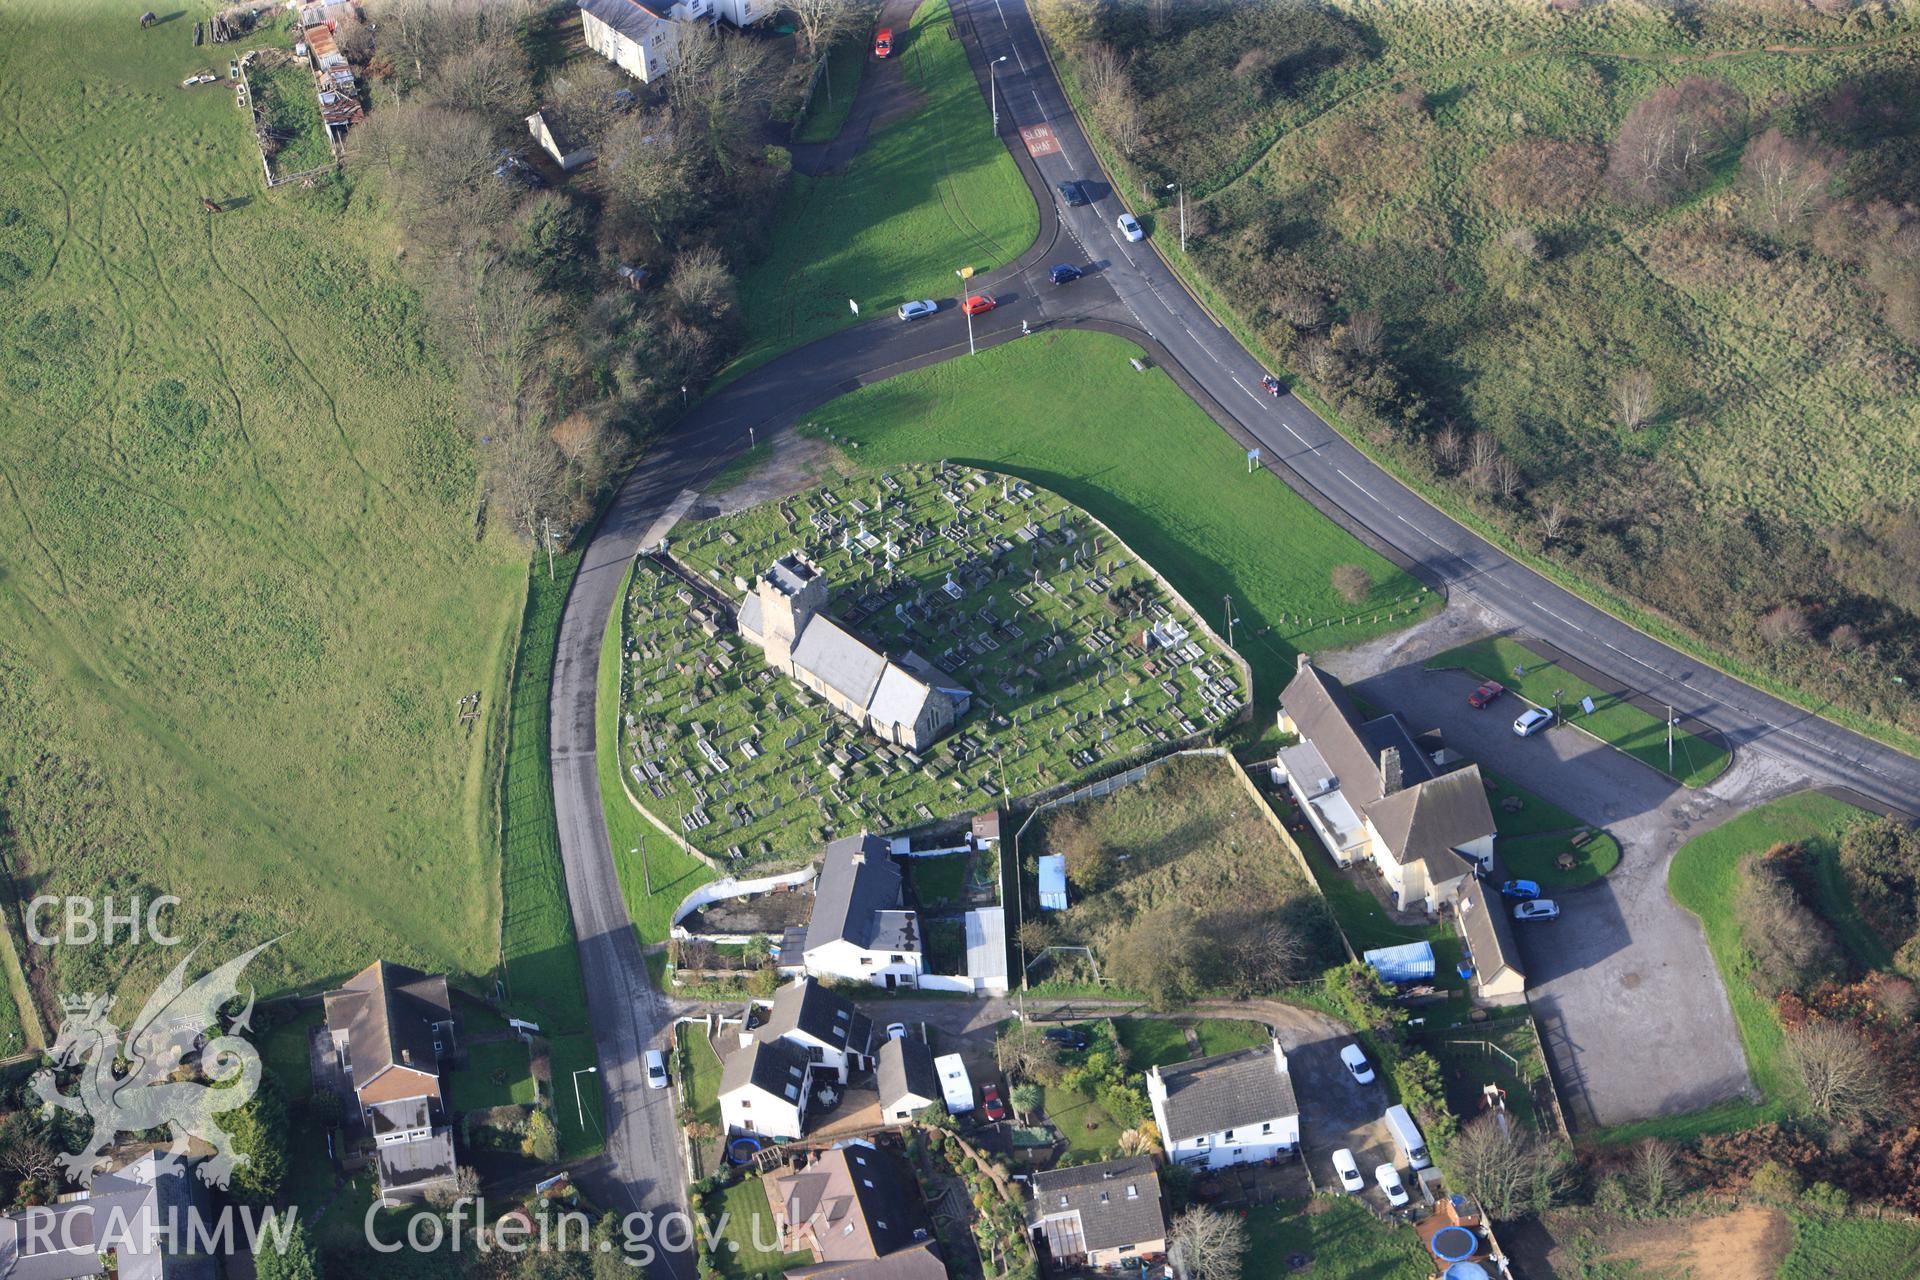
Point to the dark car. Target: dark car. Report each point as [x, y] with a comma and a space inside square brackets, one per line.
[1074, 194]
[990, 1103]
[1485, 694]
[1068, 1037]
[1064, 273]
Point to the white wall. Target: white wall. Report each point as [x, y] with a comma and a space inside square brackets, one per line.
[720, 890]
[841, 959]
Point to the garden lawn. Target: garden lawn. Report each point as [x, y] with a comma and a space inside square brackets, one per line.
[284, 1057]
[1615, 721]
[1532, 840]
[747, 1214]
[1159, 1042]
[1084, 1123]
[576, 1095]
[1339, 1234]
[498, 1073]
[1827, 1247]
[1066, 411]
[703, 1081]
[939, 882]
[931, 193]
[672, 872]
[1704, 879]
[241, 589]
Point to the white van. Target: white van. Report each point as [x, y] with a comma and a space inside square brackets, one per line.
[1406, 1134]
[656, 1069]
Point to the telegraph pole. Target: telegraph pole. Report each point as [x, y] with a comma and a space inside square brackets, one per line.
[1669, 737]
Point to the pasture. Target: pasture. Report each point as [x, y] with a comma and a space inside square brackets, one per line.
[244, 579]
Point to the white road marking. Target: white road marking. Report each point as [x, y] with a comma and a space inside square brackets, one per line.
[1561, 617]
[1355, 483]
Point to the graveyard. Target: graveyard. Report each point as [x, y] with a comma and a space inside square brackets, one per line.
[1078, 660]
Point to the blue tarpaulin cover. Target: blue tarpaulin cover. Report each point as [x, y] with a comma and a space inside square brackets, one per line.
[1410, 963]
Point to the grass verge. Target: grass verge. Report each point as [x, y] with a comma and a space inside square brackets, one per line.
[1615, 721]
[833, 98]
[928, 194]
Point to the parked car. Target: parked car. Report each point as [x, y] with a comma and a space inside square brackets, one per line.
[1349, 1171]
[1074, 194]
[883, 42]
[914, 310]
[1065, 273]
[1130, 227]
[1068, 1037]
[1523, 890]
[896, 1031]
[656, 1069]
[1485, 694]
[1388, 1178]
[990, 1102]
[1538, 909]
[979, 304]
[1532, 722]
[1354, 1059]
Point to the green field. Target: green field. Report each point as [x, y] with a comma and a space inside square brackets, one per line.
[729, 756]
[1829, 1247]
[241, 591]
[929, 194]
[1704, 879]
[1615, 721]
[1066, 411]
[1341, 1237]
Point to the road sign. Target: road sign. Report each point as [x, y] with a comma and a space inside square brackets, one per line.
[1586, 705]
[853, 306]
[1253, 459]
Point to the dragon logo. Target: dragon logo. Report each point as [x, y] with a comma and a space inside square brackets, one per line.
[141, 1084]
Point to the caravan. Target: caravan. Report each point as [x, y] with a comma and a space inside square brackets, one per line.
[955, 1085]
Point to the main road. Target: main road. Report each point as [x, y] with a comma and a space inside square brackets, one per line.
[1130, 291]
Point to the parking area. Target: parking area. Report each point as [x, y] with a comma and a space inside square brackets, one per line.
[1634, 1019]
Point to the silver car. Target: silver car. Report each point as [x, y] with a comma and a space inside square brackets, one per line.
[914, 310]
[1532, 722]
[1130, 227]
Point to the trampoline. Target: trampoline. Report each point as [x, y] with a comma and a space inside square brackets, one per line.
[742, 1147]
[1454, 1244]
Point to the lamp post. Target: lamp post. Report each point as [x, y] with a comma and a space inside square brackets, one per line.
[579, 1109]
[1174, 186]
[966, 275]
[993, 92]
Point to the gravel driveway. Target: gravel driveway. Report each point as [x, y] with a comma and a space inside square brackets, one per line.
[1633, 1014]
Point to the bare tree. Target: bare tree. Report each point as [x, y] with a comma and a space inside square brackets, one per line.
[490, 79]
[1786, 180]
[1352, 582]
[1483, 453]
[720, 84]
[435, 166]
[1507, 477]
[702, 284]
[1101, 69]
[1522, 243]
[25, 1150]
[1668, 140]
[821, 23]
[1363, 334]
[1024, 1051]
[1159, 17]
[1261, 950]
[652, 167]
[421, 35]
[1553, 519]
[1655, 1172]
[1301, 308]
[583, 101]
[1633, 398]
[1071, 22]
[1110, 94]
[1840, 1071]
[1318, 357]
[1506, 1168]
[1449, 446]
[1211, 1243]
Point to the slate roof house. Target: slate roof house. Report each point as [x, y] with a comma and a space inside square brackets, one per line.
[836, 1034]
[906, 1077]
[1232, 1108]
[851, 1209]
[861, 930]
[1100, 1215]
[392, 1026]
[907, 703]
[1498, 975]
[1371, 792]
[810, 1037]
[139, 1217]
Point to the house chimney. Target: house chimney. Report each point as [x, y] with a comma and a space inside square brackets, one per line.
[406, 1056]
[1390, 771]
[1301, 662]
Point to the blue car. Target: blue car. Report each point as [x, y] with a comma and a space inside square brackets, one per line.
[1524, 890]
[1063, 273]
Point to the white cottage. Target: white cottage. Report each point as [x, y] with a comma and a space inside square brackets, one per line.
[1232, 1108]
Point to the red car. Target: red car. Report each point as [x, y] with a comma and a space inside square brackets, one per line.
[990, 1103]
[1485, 694]
[883, 42]
[979, 304]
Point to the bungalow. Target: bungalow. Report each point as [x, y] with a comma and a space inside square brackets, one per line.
[851, 1209]
[129, 1224]
[908, 1082]
[1371, 792]
[861, 930]
[1232, 1108]
[1100, 1215]
[391, 1026]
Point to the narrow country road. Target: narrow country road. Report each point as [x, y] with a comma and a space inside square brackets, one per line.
[1129, 291]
